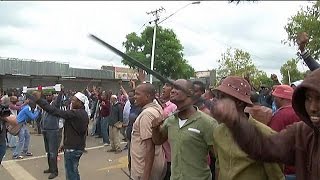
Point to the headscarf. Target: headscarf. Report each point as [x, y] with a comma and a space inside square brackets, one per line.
[83, 98]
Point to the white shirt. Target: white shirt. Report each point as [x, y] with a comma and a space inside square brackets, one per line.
[126, 112]
[181, 122]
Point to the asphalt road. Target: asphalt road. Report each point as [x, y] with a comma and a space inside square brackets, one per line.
[94, 165]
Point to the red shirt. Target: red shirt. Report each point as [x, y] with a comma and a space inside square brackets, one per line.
[104, 109]
[280, 120]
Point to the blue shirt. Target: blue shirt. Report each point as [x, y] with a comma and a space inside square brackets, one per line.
[26, 114]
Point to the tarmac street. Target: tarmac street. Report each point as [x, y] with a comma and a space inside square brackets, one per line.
[97, 163]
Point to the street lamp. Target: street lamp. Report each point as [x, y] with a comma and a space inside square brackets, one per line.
[155, 31]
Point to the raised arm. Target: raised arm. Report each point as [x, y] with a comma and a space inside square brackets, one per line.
[302, 41]
[69, 114]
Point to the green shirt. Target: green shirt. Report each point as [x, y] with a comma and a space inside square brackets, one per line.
[234, 164]
[190, 146]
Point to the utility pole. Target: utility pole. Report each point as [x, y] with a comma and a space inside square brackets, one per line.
[157, 17]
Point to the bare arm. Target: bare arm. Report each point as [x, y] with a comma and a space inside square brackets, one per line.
[124, 92]
[148, 159]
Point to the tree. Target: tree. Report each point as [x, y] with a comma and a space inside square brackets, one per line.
[261, 78]
[236, 62]
[168, 60]
[306, 20]
[290, 67]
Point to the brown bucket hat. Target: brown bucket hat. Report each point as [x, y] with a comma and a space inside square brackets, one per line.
[236, 87]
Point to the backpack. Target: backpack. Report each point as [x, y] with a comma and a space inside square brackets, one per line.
[13, 129]
[12, 126]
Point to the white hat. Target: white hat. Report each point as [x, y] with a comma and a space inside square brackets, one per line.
[83, 98]
[297, 83]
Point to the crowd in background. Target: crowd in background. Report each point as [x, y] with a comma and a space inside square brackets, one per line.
[187, 131]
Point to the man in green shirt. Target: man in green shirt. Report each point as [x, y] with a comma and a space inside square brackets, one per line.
[189, 133]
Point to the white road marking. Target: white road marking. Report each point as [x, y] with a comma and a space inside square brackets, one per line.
[43, 156]
[17, 171]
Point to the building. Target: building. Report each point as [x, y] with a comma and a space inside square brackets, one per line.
[207, 77]
[16, 73]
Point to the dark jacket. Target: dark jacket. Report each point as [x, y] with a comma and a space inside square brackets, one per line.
[311, 63]
[297, 144]
[2, 133]
[134, 113]
[116, 114]
[50, 122]
[75, 126]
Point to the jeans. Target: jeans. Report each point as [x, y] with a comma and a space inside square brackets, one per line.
[168, 173]
[71, 163]
[104, 130]
[98, 127]
[2, 151]
[24, 140]
[290, 177]
[51, 145]
[12, 140]
[94, 126]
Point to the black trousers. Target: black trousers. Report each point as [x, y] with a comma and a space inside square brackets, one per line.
[168, 174]
[51, 145]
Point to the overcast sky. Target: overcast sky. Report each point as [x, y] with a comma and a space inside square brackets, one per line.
[58, 31]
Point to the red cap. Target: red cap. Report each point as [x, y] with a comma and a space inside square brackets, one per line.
[283, 91]
[39, 88]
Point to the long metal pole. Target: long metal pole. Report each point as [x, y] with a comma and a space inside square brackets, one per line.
[153, 48]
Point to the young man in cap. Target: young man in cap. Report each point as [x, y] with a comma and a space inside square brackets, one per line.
[75, 130]
[285, 114]
[189, 133]
[231, 162]
[297, 144]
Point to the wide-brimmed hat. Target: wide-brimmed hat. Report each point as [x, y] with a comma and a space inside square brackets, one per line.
[236, 87]
[283, 91]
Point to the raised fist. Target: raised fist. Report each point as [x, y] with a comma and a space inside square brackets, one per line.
[274, 77]
[302, 40]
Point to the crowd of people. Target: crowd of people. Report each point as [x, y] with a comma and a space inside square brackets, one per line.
[188, 132]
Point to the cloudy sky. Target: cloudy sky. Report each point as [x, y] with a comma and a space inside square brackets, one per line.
[58, 31]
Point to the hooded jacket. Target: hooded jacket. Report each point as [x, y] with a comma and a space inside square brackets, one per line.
[297, 145]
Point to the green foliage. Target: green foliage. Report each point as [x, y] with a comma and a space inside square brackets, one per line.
[261, 78]
[306, 20]
[295, 74]
[168, 60]
[236, 62]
